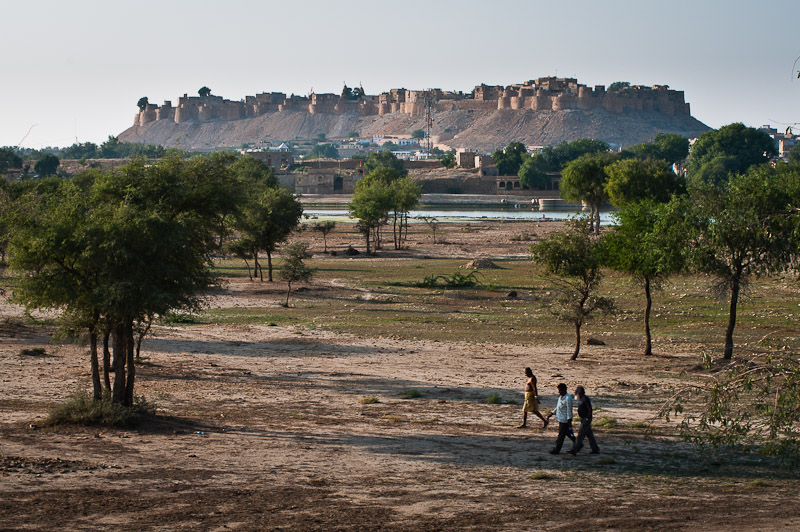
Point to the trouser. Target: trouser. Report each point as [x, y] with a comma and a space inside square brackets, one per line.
[563, 432]
[585, 431]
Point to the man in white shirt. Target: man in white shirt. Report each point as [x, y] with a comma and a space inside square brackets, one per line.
[563, 413]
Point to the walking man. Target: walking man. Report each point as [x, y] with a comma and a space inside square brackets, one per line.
[585, 413]
[563, 413]
[531, 400]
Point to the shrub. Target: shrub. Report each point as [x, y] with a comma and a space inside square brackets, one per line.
[411, 394]
[493, 399]
[368, 400]
[82, 409]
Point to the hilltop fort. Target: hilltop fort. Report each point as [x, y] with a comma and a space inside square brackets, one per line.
[462, 119]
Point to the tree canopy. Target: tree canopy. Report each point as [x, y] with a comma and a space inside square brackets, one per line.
[509, 159]
[384, 159]
[46, 165]
[584, 179]
[731, 149]
[631, 180]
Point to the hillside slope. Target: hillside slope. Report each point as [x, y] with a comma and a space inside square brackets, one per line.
[480, 130]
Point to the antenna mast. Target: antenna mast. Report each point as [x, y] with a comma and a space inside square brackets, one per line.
[428, 121]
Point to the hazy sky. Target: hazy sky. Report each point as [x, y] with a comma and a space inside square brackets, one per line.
[75, 69]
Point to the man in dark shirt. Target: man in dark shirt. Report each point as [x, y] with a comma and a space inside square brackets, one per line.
[585, 431]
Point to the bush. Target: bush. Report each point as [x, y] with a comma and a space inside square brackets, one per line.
[411, 394]
[493, 399]
[82, 409]
[368, 400]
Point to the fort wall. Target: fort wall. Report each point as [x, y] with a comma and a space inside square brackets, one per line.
[543, 94]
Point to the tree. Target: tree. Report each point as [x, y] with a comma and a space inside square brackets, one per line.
[631, 180]
[204, 91]
[142, 103]
[670, 147]
[584, 179]
[792, 156]
[371, 204]
[618, 86]
[405, 194]
[266, 220]
[324, 228]
[113, 249]
[47, 165]
[418, 134]
[294, 268]
[531, 175]
[731, 149]
[571, 260]
[509, 160]
[384, 159]
[9, 159]
[743, 228]
[323, 151]
[448, 160]
[432, 222]
[647, 244]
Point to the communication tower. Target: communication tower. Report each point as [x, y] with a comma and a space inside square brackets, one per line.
[429, 121]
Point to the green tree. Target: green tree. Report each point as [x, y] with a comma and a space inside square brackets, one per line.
[731, 149]
[204, 91]
[405, 195]
[584, 179]
[265, 221]
[47, 165]
[531, 175]
[323, 151]
[418, 134]
[792, 156]
[744, 228]
[9, 159]
[572, 261]
[618, 86]
[448, 160]
[509, 159]
[142, 103]
[113, 249]
[647, 244]
[325, 229]
[670, 147]
[631, 180]
[384, 159]
[371, 203]
[294, 269]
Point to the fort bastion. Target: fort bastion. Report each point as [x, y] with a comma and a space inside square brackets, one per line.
[543, 94]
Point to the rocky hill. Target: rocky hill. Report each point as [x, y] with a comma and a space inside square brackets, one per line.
[477, 129]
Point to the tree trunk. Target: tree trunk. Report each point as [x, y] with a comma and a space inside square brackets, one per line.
[577, 341]
[648, 348]
[97, 387]
[269, 265]
[107, 361]
[735, 285]
[129, 356]
[367, 235]
[246, 263]
[325, 242]
[288, 291]
[597, 218]
[257, 270]
[394, 232]
[118, 341]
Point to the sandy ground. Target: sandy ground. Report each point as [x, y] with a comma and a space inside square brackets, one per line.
[264, 428]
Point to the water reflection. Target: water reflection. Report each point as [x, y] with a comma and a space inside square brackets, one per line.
[465, 214]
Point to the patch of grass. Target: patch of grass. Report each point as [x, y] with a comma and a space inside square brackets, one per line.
[541, 475]
[368, 400]
[82, 409]
[639, 425]
[493, 399]
[606, 422]
[426, 421]
[411, 394]
[393, 418]
[179, 318]
[757, 484]
[606, 461]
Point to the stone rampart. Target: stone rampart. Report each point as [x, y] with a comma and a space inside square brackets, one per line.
[543, 94]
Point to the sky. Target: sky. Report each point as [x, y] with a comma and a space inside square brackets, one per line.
[74, 70]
